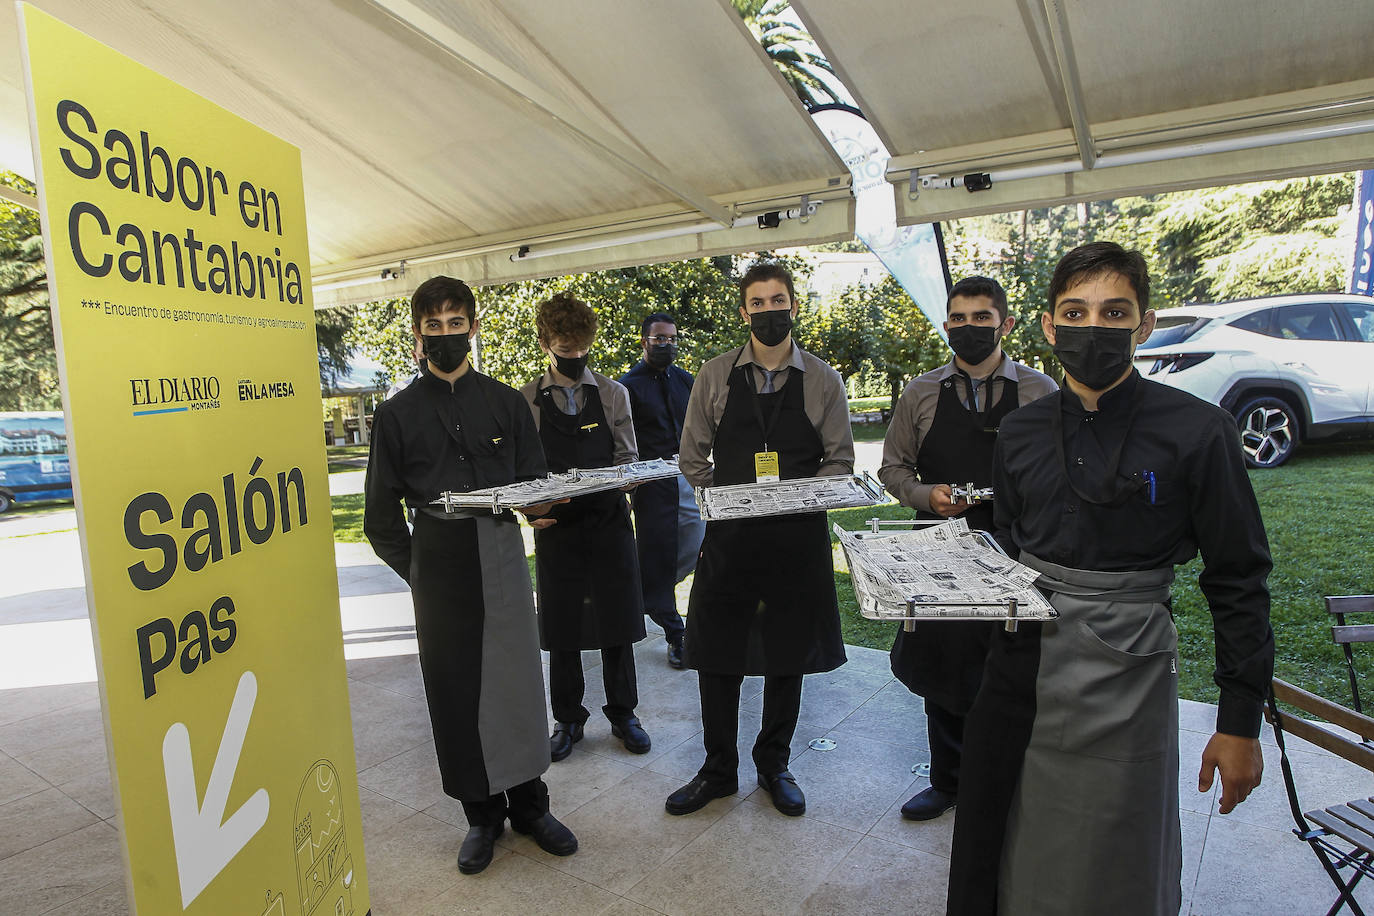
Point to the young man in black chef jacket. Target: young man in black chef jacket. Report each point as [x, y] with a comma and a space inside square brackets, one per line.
[1068, 800]
[454, 429]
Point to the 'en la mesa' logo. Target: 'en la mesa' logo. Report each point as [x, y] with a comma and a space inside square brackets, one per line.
[250, 390]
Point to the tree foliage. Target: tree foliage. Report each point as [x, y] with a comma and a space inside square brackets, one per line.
[333, 341]
[792, 51]
[876, 331]
[1232, 242]
[28, 362]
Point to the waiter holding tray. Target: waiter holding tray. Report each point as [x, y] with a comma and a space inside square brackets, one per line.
[763, 600]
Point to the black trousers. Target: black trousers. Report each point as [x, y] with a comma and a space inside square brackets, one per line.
[720, 721]
[567, 685]
[524, 804]
[670, 620]
[946, 732]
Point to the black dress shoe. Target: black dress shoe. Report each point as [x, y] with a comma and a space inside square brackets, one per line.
[565, 735]
[697, 794]
[787, 798]
[636, 739]
[550, 834]
[478, 847]
[929, 803]
[675, 655]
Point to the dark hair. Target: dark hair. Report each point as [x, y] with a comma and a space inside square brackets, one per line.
[565, 317]
[655, 318]
[760, 271]
[436, 294]
[1095, 259]
[970, 287]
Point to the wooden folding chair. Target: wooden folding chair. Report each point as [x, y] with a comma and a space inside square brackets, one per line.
[1345, 634]
[1341, 836]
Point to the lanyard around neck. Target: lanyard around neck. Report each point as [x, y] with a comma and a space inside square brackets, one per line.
[986, 415]
[765, 430]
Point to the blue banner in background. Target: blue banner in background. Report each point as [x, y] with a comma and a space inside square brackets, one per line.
[1362, 276]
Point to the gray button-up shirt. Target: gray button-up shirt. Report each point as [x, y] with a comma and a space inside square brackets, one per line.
[827, 407]
[615, 403]
[915, 414]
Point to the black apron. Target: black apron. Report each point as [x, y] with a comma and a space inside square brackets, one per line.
[763, 600]
[943, 660]
[585, 566]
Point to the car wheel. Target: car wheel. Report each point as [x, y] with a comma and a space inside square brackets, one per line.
[6, 501]
[1268, 432]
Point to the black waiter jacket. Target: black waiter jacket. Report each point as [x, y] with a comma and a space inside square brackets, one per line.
[428, 438]
[1169, 468]
[658, 405]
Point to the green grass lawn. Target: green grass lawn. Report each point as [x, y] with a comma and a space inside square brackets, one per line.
[1317, 509]
[337, 455]
[859, 405]
[869, 432]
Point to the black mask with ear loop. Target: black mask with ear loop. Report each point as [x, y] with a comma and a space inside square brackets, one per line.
[1095, 356]
[771, 327]
[446, 352]
[570, 366]
[973, 343]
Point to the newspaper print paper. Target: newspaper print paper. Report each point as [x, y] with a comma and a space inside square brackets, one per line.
[786, 497]
[895, 572]
[577, 482]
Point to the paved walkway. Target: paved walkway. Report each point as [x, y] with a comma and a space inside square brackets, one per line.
[850, 853]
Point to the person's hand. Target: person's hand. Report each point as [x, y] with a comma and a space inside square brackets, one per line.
[535, 514]
[630, 486]
[942, 502]
[1241, 765]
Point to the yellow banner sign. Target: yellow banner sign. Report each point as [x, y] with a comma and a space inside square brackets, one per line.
[179, 272]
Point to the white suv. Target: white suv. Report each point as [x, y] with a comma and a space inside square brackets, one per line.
[1289, 368]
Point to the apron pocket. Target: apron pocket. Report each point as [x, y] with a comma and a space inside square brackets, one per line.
[1120, 702]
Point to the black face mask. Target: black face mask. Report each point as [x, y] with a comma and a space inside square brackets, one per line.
[771, 327]
[446, 352]
[1095, 356]
[661, 356]
[570, 366]
[973, 343]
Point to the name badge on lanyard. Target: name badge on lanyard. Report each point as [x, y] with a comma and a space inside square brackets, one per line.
[766, 467]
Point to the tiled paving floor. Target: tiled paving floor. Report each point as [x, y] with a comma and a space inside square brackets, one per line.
[850, 853]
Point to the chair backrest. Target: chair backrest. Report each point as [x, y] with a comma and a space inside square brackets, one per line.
[1355, 751]
[1340, 606]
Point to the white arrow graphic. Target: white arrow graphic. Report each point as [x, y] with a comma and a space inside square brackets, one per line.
[205, 842]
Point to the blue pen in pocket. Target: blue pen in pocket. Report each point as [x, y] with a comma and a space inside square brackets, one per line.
[1150, 484]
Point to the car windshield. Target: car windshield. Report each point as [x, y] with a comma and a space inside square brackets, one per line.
[1173, 329]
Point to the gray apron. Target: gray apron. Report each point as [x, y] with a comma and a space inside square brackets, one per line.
[479, 651]
[1094, 825]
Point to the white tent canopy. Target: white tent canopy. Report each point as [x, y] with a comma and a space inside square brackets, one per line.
[449, 134]
[1149, 96]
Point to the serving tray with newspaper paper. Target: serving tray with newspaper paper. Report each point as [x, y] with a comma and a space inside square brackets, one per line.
[576, 482]
[788, 497]
[912, 570]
